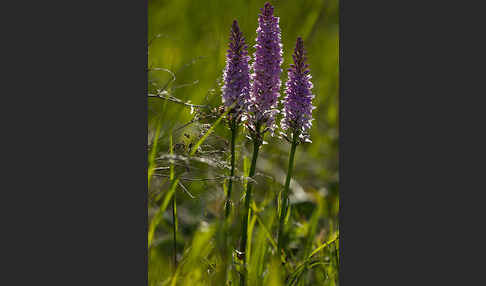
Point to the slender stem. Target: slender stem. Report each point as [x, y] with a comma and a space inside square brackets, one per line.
[233, 127]
[244, 223]
[285, 196]
[232, 173]
[174, 229]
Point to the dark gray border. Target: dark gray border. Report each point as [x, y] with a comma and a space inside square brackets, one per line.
[76, 161]
[412, 167]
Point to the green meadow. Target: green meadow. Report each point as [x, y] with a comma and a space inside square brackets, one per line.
[189, 240]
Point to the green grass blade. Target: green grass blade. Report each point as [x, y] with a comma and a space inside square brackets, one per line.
[151, 159]
[158, 216]
[308, 262]
[267, 231]
[252, 220]
[335, 236]
[210, 130]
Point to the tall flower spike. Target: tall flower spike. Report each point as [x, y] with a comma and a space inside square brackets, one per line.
[298, 100]
[266, 71]
[236, 75]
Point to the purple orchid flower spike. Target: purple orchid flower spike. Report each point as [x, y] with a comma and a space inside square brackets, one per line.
[297, 103]
[236, 75]
[266, 73]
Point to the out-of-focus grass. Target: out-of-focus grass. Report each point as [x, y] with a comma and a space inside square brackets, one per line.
[188, 42]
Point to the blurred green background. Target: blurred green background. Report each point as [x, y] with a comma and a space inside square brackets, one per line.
[190, 38]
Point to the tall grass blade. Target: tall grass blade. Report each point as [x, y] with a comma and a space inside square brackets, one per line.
[153, 153]
[158, 216]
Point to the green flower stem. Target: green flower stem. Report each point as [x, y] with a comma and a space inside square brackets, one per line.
[234, 129]
[285, 196]
[234, 132]
[244, 223]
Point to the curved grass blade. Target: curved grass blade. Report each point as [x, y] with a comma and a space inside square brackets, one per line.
[308, 263]
[329, 242]
[267, 231]
[210, 130]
